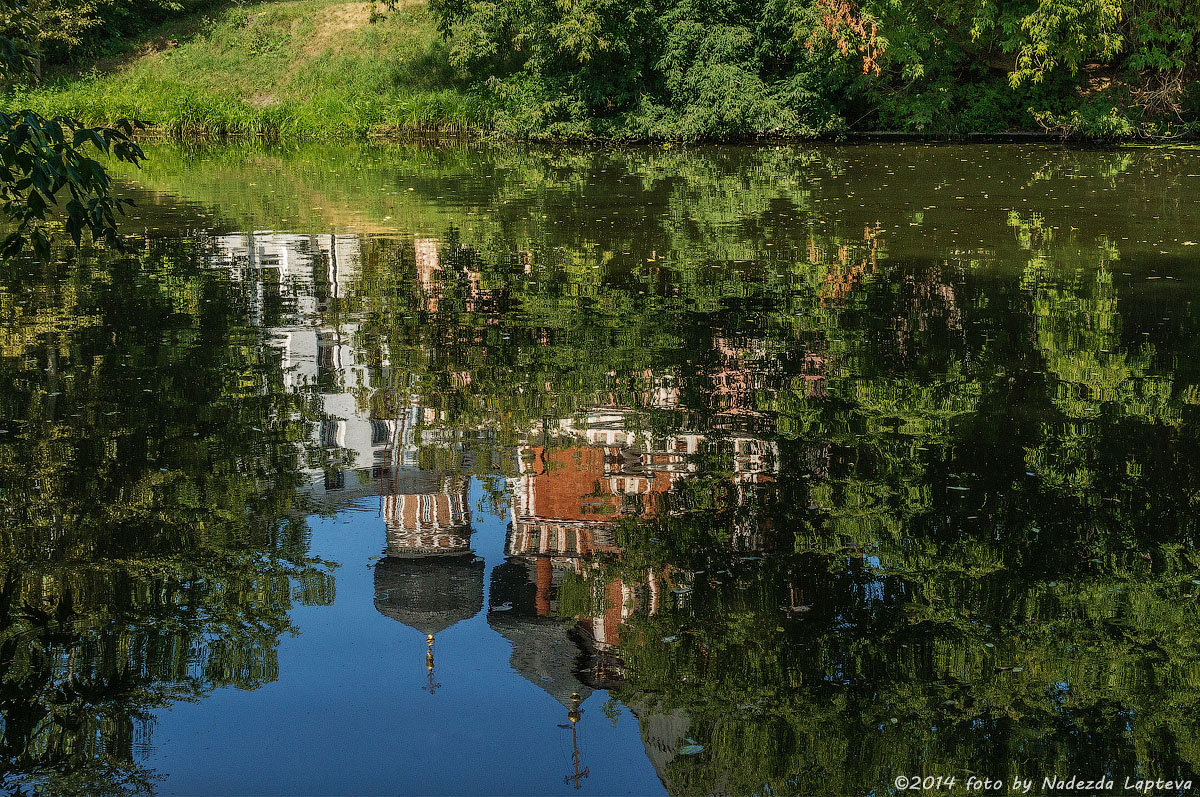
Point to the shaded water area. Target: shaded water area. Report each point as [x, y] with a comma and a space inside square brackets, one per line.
[480, 470]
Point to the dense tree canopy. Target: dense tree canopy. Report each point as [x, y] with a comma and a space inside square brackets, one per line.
[734, 69]
[731, 69]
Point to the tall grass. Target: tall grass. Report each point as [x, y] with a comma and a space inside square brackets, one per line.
[311, 69]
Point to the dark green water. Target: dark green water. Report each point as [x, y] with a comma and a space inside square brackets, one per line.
[472, 470]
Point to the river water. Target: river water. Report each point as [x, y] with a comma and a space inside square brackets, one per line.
[471, 469]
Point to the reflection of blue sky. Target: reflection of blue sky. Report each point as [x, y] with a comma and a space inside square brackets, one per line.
[867, 583]
[871, 588]
[349, 715]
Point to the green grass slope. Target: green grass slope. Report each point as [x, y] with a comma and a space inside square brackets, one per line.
[317, 69]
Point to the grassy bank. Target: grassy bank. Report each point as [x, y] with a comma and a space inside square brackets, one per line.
[300, 69]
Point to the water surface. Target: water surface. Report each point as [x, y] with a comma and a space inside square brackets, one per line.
[460, 469]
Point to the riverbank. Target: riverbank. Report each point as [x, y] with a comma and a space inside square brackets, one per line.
[305, 69]
[329, 70]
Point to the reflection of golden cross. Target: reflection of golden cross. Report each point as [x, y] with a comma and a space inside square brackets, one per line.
[573, 714]
[429, 663]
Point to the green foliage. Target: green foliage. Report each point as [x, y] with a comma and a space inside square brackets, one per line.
[39, 157]
[707, 69]
[724, 69]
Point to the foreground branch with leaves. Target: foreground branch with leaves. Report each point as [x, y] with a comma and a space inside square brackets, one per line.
[41, 159]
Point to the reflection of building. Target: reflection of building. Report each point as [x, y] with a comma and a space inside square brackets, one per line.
[566, 501]
[426, 515]
[565, 629]
[742, 368]
[601, 628]
[303, 274]
[429, 594]
[366, 431]
[430, 578]
[547, 651]
[305, 271]
[432, 270]
[594, 471]
[563, 615]
[663, 735]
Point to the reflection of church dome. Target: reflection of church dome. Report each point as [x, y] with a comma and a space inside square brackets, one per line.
[662, 734]
[429, 594]
[545, 649]
[544, 653]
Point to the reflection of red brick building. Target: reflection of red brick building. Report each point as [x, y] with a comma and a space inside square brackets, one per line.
[813, 373]
[566, 501]
[618, 603]
[597, 630]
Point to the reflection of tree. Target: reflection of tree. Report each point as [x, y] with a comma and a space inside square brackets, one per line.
[152, 542]
[943, 604]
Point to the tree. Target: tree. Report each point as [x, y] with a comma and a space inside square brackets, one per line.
[693, 69]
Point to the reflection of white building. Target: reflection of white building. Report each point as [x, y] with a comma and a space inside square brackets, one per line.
[304, 273]
[363, 436]
[304, 270]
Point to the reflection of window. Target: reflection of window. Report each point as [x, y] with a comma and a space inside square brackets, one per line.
[329, 433]
[681, 446]
[335, 480]
[326, 351]
[379, 433]
[426, 509]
